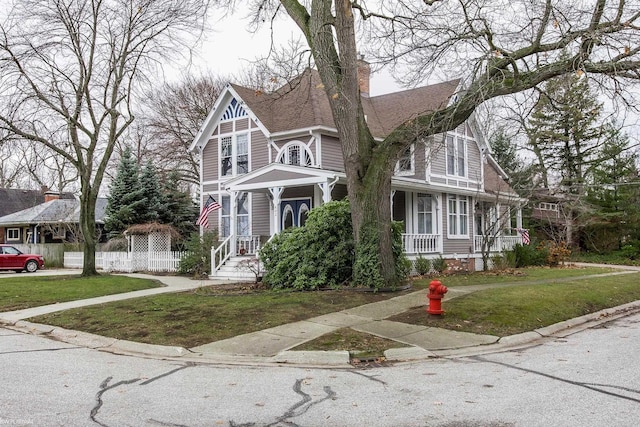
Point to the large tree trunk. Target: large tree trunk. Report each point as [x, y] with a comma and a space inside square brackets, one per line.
[88, 199]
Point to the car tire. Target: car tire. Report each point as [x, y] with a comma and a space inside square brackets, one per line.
[31, 266]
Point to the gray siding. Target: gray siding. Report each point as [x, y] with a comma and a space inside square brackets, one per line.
[475, 162]
[437, 156]
[242, 124]
[259, 150]
[456, 246]
[210, 160]
[331, 154]
[260, 219]
[298, 193]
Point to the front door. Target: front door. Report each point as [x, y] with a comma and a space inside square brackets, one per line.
[294, 212]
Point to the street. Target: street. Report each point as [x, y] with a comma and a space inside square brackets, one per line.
[587, 379]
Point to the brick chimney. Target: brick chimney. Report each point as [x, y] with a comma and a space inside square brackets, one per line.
[364, 74]
[51, 195]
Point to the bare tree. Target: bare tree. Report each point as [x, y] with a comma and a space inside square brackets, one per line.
[465, 38]
[70, 71]
[176, 113]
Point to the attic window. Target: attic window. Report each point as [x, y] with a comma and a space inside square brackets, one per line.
[234, 110]
[295, 154]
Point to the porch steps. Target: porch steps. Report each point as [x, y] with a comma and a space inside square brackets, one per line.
[236, 268]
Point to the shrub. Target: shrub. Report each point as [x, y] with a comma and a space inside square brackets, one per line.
[557, 253]
[423, 265]
[630, 251]
[439, 264]
[528, 255]
[501, 262]
[198, 259]
[320, 254]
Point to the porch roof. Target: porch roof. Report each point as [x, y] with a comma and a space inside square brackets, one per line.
[280, 175]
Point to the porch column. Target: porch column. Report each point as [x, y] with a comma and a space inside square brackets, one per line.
[326, 188]
[393, 193]
[519, 217]
[276, 193]
[233, 201]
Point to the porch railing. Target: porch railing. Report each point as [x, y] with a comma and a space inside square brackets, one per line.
[220, 254]
[421, 243]
[499, 244]
[247, 245]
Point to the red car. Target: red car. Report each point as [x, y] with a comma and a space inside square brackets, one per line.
[12, 259]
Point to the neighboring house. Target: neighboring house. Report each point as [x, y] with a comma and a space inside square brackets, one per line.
[268, 158]
[16, 199]
[54, 220]
[555, 212]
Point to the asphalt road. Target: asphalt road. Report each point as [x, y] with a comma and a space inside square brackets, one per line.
[591, 378]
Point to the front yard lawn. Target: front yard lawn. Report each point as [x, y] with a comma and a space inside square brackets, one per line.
[17, 293]
[193, 318]
[508, 311]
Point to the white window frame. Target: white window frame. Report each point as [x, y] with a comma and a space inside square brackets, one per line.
[431, 212]
[305, 157]
[455, 161]
[235, 155]
[457, 216]
[11, 237]
[409, 159]
[225, 216]
[243, 219]
[544, 206]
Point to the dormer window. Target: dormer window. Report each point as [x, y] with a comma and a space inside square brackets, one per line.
[295, 153]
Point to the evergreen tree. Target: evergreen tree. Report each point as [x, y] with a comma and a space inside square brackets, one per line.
[615, 193]
[179, 208]
[126, 197]
[505, 152]
[565, 130]
[153, 198]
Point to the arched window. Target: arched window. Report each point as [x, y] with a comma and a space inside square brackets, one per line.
[287, 217]
[295, 153]
[302, 214]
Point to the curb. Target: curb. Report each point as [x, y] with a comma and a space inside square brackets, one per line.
[326, 359]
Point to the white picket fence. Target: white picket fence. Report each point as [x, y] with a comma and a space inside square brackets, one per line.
[129, 262]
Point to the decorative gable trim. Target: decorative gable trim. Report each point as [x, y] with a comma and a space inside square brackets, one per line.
[228, 106]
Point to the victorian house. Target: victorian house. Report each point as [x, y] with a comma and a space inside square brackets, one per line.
[269, 158]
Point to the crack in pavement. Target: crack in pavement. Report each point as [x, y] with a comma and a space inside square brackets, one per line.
[369, 377]
[42, 349]
[166, 374]
[104, 387]
[589, 386]
[297, 409]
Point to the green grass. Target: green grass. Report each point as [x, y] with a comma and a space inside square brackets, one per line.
[192, 318]
[358, 344]
[508, 311]
[17, 293]
[616, 257]
[515, 275]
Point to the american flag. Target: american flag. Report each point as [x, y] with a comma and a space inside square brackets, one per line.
[208, 207]
[525, 235]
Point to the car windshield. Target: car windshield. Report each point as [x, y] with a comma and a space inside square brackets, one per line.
[10, 250]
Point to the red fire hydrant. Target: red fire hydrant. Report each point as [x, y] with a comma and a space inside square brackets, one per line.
[436, 292]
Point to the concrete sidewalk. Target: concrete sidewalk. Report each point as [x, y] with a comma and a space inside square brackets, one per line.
[273, 345]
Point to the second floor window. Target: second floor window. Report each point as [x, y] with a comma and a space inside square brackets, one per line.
[234, 155]
[456, 155]
[295, 154]
[405, 165]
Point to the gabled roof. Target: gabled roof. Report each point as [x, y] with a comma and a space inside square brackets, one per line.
[276, 174]
[53, 211]
[15, 199]
[303, 104]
